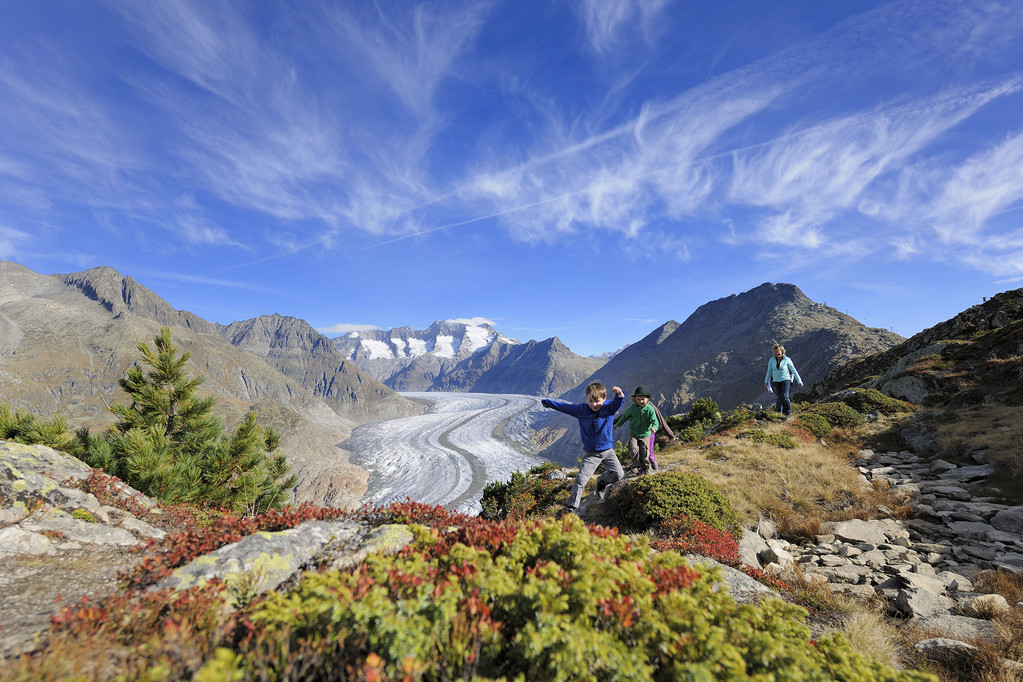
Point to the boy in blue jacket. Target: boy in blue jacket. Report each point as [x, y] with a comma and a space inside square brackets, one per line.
[596, 417]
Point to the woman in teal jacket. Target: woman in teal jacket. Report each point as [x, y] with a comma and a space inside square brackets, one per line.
[780, 375]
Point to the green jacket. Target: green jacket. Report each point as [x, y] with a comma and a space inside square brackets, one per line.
[642, 420]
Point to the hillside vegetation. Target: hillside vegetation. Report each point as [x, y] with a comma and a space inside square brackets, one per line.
[520, 596]
[524, 597]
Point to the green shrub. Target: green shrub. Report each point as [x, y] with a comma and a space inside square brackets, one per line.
[622, 453]
[703, 413]
[168, 444]
[557, 603]
[694, 433]
[813, 422]
[22, 427]
[522, 496]
[838, 414]
[541, 469]
[780, 440]
[646, 501]
[872, 400]
[737, 417]
[703, 409]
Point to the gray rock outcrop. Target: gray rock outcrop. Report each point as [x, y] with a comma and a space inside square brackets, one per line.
[925, 567]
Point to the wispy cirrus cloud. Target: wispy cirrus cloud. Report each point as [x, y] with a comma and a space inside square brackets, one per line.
[12, 241]
[606, 20]
[346, 328]
[980, 189]
[807, 177]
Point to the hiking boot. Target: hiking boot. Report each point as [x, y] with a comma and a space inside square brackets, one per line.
[563, 512]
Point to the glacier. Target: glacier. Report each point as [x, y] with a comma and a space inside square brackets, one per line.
[447, 455]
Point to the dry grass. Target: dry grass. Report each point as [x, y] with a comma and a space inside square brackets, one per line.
[799, 488]
[869, 634]
[995, 428]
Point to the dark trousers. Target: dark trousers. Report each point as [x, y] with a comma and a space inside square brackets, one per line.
[781, 394]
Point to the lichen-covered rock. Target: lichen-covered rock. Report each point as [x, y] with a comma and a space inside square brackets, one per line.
[263, 561]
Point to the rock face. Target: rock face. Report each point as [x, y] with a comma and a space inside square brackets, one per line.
[298, 351]
[968, 359]
[57, 540]
[457, 356]
[65, 340]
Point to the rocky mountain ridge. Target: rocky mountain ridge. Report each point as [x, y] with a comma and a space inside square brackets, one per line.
[971, 358]
[460, 356]
[298, 351]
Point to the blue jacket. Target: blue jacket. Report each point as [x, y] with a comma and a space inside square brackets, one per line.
[595, 428]
[787, 371]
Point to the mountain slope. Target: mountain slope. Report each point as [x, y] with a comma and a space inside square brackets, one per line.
[65, 340]
[721, 352]
[535, 368]
[298, 351]
[970, 359]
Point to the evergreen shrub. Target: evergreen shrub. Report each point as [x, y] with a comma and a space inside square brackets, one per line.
[522, 496]
[168, 444]
[867, 400]
[648, 500]
[780, 440]
[703, 409]
[22, 427]
[738, 417]
[813, 422]
[838, 414]
[693, 433]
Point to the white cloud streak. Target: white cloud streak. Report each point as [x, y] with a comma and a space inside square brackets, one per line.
[346, 328]
[338, 118]
[605, 21]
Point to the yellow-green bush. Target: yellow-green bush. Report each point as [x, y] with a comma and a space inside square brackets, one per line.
[648, 500]
[559, 602]
[838, 414]
[814, 423]
[872, 400]
[779, 440]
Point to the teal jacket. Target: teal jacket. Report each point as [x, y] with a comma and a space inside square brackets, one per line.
[786, 372]
[642, 420]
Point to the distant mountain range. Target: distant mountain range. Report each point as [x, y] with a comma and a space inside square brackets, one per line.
[459, 356]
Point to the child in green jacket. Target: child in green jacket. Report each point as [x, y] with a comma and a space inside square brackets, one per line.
[643, 422]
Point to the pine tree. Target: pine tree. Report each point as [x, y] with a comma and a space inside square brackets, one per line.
[168, 443]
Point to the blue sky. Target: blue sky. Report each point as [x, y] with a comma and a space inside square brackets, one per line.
[585, 169]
